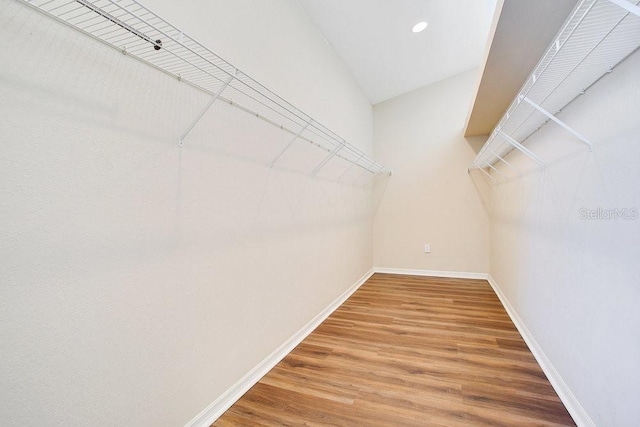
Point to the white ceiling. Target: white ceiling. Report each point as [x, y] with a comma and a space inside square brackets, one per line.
[374, 39]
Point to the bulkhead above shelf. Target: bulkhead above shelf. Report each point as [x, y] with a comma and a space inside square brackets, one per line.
[597, 36]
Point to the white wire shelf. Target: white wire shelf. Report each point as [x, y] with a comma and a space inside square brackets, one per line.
[136, 31]
[597, 36]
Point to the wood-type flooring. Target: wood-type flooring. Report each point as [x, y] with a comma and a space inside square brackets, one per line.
[407, 351]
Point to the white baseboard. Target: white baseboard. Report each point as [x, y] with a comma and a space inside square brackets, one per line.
[572, 404]
[229, 397]
[432, 273]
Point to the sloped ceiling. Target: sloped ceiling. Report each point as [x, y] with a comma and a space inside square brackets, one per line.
[375, 41]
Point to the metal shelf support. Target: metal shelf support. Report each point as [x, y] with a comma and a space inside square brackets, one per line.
[327, 159]
[558, 121]
[347, 170]
[131, 28]
[495, 169]
[204, 110]
[505, 162]
[522, 148]
[284, 150]
[484, 172]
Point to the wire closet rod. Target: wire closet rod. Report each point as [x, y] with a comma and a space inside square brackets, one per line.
[133, 29]
[157, 44]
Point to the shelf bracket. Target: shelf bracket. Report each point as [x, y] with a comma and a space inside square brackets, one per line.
[558, 121]
[504, 161]
[327, 159]
[348, 169]
[496, 170]
[522, 148]
[630, 7]
[202, 113]
[294, 139]
[485, 172]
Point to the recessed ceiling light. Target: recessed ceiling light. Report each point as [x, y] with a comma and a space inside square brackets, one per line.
[419, 27]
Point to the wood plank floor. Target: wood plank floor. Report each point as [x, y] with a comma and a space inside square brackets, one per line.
[407, 351]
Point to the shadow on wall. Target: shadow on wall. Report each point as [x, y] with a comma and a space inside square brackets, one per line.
[132, 264]
[564, 244]
[99, 137]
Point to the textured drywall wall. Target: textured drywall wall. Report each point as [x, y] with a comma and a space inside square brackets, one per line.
[276, 44]
[139, 281]
[430, 198]
[564, 246]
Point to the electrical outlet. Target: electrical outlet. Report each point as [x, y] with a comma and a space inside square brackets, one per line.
[427, 248]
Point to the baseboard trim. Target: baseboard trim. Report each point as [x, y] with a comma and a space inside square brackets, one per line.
[432, 273]
[229, 397]
[572, 404]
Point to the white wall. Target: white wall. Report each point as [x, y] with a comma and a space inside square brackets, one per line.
[138, 280]
[575, 282]
[430, 198]
[277, 45]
